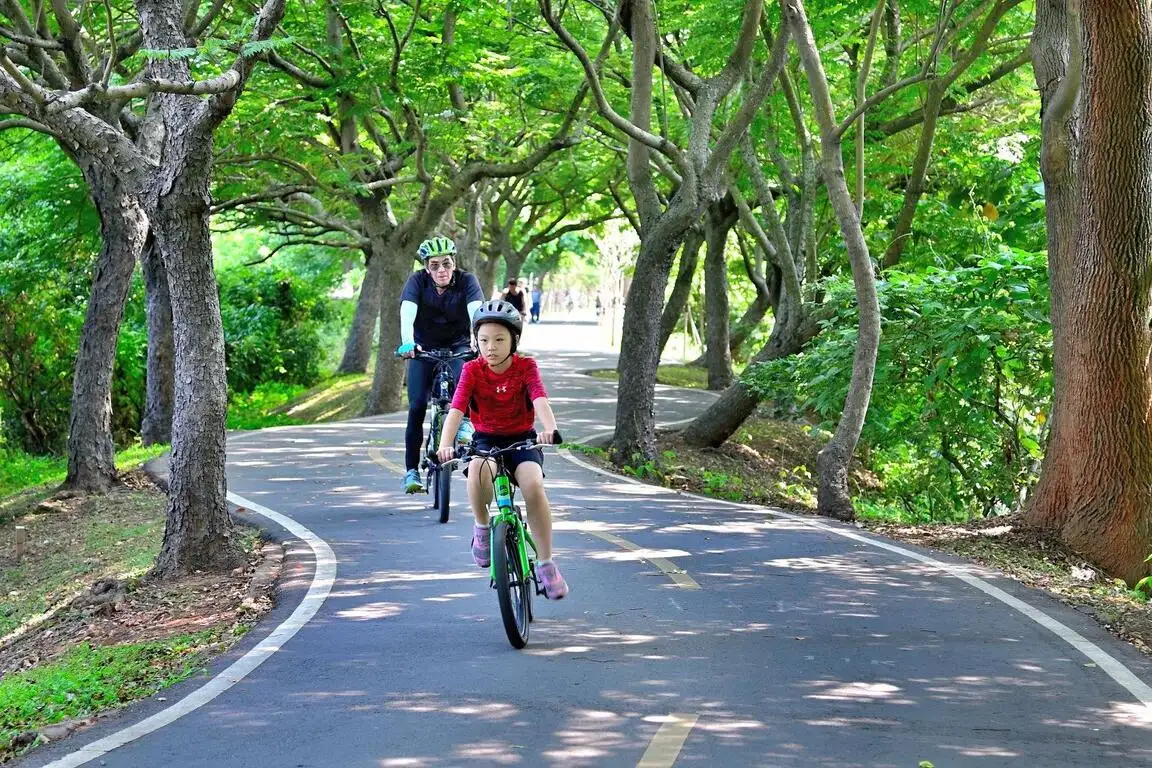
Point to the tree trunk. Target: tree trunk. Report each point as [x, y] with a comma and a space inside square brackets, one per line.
[358, 347]
[379, 224]
[156, 427]
[513, 264]
[389, 373]
[1104, 410]
[198, 533]
[720, 420]
[486, 271]
[639, 356]
[123, 227]
[682, 288]
[717, 357]
[1057, 56]
[832, 497]
[915, 188]
[767, 297]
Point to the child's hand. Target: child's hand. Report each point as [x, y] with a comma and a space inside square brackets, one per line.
[547, 437]
[446, 454]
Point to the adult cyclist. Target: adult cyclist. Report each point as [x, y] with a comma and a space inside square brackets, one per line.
[436, 309]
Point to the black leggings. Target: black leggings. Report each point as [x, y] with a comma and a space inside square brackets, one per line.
[420, 374]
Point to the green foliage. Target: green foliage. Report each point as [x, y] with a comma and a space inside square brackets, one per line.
[89, 680]
[272, 320]
[48, 241]
[961, 389]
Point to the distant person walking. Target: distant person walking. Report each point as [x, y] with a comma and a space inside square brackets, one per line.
[537, 298]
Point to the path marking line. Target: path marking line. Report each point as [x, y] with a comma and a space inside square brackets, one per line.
[377, 456]
[322, 581]
[670, 569]
[669, 740]
[1111, 666]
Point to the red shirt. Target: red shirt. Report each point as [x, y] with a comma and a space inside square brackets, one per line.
[500, 403]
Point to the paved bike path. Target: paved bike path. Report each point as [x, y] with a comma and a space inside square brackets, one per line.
[800, 647]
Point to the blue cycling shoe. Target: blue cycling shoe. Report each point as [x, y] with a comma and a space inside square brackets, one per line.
[412, 482]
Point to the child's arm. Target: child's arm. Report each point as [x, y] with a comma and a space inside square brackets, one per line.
[547, 420]
[445, 451]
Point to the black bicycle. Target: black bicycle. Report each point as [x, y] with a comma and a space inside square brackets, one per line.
[437, 478]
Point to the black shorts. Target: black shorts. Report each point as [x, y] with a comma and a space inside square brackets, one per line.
[512, 459]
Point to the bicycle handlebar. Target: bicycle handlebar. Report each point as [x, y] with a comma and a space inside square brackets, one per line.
[443, 355]
[468, 452]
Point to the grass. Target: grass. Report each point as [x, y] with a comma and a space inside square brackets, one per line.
[688, 376]
[20, 471]
[90, 679]
[115, 536]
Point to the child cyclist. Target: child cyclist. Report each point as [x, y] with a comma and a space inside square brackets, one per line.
[503, 395]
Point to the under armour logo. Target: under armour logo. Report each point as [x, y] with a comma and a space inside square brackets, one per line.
[502, 389]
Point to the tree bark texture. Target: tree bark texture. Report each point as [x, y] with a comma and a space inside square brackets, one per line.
[378, 224]
[718, 222]
[1057, 62]
[123, 228]
[833, 497]
[161, 375]
[389, 373]
[1107, 393]
[682, 287]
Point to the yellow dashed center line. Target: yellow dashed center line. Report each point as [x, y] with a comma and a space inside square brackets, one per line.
[377, 456]
[673, 571]
[668, 741]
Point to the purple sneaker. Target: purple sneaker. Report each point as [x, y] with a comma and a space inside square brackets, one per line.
[554, 585]
[481, 546]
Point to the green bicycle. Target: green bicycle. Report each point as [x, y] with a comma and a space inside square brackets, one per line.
[513, 566]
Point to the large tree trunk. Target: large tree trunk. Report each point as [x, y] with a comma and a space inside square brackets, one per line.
[198, 532]
[639, 356]
[1057, 57]
[123, 226]
[379, 224]
[156, 427]
[682, 287]
[718, 223]
[1106, 392]
[832, 495]
[486, 271]
[389, 373]
[358, 347]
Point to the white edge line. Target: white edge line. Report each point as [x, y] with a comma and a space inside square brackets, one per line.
[1111, 666]
[322, 581]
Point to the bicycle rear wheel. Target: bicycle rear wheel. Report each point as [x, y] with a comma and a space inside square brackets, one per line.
[512, 585]
[443, 492]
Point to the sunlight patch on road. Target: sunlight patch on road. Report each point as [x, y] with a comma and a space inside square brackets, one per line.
[678, 575]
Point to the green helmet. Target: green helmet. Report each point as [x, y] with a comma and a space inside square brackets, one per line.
[436, 246]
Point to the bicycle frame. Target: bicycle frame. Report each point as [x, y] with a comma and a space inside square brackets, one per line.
[506, 512]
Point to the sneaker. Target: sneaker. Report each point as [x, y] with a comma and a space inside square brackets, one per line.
[412, 482]
[464, 434]
[481, 545]
[554, 585]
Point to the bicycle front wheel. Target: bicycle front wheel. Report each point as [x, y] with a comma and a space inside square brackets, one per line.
[443, 492]
[512, 585]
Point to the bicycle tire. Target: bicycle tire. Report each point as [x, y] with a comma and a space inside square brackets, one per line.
[511, 585]
[443, 492]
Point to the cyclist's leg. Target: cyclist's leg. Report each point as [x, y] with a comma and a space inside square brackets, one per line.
[530, 477]
[480, 487]
[420, 374]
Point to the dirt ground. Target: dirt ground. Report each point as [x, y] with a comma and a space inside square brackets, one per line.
[84, 579]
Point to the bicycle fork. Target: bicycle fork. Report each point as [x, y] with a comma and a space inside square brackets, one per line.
[506, 513]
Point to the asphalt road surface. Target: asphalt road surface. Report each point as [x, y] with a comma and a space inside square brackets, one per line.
[697, 633]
